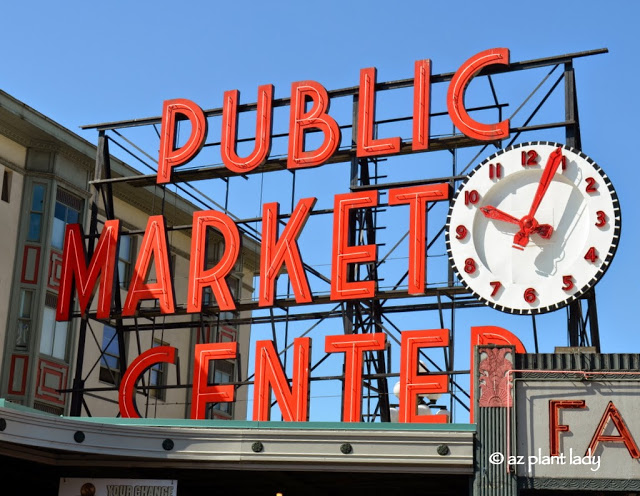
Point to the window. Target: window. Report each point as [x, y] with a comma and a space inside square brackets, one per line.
[158, 376]
[67, 211]
[53, 338]
[6, 185]
[24, 320]
[36, 212]
[124, 260]
[110, 360]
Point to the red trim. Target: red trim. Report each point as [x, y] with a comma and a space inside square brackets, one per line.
[228, 332]
[25, 255]
[46, 367]
[12, 370]
[55, 270]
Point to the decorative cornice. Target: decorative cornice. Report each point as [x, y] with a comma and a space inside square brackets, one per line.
[48, 146]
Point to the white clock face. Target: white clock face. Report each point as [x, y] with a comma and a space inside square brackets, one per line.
[533, 227]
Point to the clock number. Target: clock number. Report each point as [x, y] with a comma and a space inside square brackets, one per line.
[564, 163]
[591, 255]
[471, 197]
[530, 295]
[568, 283]
[602, 219]
[495, 171]
[529, 158]
[469, 265]
[592, 186]
[461, 232]
[496, 287]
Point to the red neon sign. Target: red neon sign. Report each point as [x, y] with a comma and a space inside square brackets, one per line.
[309, 112]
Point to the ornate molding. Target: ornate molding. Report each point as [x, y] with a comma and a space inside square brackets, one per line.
[579, 484]
[495, 384]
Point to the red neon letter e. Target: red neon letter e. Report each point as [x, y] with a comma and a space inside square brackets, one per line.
[343, 254]
[412, 384]
[317, 118]
[202, 392]
[455, 96]
[170, 156]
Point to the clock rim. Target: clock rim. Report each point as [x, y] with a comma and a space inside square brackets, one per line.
[617, 229]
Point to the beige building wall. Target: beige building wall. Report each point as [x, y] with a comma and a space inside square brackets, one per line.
[12, 162]
[35, 149]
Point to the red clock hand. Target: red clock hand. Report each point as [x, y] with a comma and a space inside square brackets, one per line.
[544, 230]
[549, 171]
[528, 224]
[496, 214]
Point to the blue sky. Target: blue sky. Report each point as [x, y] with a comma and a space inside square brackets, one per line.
[83, 62]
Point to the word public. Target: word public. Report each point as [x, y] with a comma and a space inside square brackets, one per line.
[310, 112]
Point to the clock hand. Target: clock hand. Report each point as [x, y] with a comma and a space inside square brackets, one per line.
[490, 212]
[549, 171]
[528, 224]
[496, 214]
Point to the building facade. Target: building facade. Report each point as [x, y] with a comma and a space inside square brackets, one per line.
[46, 172]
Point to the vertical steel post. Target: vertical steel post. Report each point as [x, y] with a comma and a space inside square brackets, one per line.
[78, 383]
[577, 324]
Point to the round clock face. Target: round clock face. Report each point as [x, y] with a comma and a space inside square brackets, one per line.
[533, 227]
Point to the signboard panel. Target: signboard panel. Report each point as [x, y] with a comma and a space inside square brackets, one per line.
[577, 429]
[117, 487]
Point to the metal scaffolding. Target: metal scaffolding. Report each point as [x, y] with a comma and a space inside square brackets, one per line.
[444, 297]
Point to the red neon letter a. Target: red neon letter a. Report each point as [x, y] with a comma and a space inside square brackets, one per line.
[74, 268]
[624, 436]
[154, 242]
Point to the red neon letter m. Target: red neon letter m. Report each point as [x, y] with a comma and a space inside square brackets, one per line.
[75, 269]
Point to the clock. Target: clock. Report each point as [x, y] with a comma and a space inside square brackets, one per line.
[533, 227]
